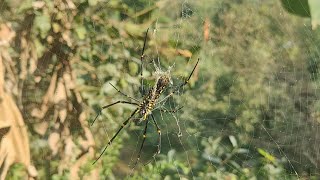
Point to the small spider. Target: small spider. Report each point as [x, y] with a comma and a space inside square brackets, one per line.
[150, 100]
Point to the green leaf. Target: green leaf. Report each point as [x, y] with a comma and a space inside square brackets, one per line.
[42, 22]
[92, 2]
[81, 32]
[133, 68]
[171, 154]
[25, 5]
[233, 141]
[39, 47]
[267, 155]
[134, 29]
[242, 151]
[297, 7]
[315, 12]
[56, 27]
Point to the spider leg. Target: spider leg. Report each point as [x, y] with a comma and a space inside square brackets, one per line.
[124, 124]
[142, 58]
[107, 106]
[187, 80]
[124, 93]
[159, 136]
[181, 85]
[143, 140]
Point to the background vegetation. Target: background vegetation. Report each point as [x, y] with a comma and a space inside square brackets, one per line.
[250, 111]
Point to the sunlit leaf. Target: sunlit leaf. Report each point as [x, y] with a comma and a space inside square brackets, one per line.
[233, 141]
[171, 154]
[81, 32]
[133, 29]
[93, 2]
[42, 22]
[315, 12]
[25, 5]
[56, 27]
[39, 47]
[133, 68]
[242, 151]
[267, 155]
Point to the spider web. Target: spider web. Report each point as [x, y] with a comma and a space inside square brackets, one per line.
[251, 108]
[252, 104]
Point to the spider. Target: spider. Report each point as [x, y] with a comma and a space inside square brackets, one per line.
[150, 100]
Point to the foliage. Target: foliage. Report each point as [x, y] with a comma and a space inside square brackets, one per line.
[300, 7]
[315, 13]
[304, 8]
[165, 168]
[244, 109]
[16, 172]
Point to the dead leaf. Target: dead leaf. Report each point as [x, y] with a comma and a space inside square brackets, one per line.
[38, 4]
[33, 61]
[1, 78]
[60, 100]
[184, 53]
[206, 29]
[32, 171]
[53, 141]
[6, 34]
[69, 148]
[89, 140]
[14, 142]
[41, 128]
[24, 58]
[68, 81]
[66, 38]
[14, 146]
[70, 4]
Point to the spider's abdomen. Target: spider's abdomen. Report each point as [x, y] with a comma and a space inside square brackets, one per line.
[162, 83]
[153, 95]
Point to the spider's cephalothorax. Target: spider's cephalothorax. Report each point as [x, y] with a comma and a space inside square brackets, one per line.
[149, 103]
[153, 95]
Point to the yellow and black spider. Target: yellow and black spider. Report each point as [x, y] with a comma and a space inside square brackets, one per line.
[145, 108]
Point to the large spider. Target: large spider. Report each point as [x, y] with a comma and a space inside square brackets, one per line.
[150, 100]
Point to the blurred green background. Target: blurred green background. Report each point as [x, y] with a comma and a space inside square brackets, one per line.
[250, 111]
